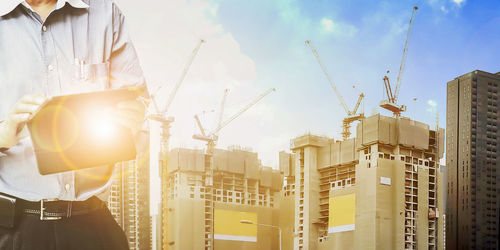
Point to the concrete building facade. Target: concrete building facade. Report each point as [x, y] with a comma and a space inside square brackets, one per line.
[472, 161]
[242, 189]
[380, 190]
[128, 201]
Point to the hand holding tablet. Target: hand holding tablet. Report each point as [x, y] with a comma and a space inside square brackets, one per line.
[85, 130]
[17, 118]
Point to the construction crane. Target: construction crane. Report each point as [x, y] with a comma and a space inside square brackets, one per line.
[212, 137]
[391, 103]
[160, 115]
[352, 115]
[211, 140]
[222, 105]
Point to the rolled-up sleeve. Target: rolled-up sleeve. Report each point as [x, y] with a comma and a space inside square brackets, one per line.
[124, 66]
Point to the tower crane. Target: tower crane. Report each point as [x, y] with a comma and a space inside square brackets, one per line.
[352, 116]
[391, 102]
[212, 137]
[211, 140]
[160, 115]
[222, 105]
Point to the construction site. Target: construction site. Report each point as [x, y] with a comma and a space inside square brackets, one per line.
[379, 189]
[202, 216]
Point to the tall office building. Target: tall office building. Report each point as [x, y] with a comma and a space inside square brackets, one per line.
[473, 162]
[379, 190]
[128, 201]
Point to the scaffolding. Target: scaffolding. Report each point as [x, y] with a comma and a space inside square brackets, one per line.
[411, 202]
[209, 203]
[432, 157]
[300, 218]
[333, 178]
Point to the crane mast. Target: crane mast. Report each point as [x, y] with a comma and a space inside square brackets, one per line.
[243, 110]
[174, 91]
[405, 53]
[332, 84]
[198, 122]
[161, 116]
[183, 75]
[392, 97]
[211, 140]
[360, 98]
[222, 106]
[212, 137]
[351, 115]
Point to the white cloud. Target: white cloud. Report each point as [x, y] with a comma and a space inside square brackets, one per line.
[444, 9]
[164, 34]
[337, 28]
[459, 3]
[214, 10]
[432, 108]
[327, 24]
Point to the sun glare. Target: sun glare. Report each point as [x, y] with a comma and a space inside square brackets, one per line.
[102, 127]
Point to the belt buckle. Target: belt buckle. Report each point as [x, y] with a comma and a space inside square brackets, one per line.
[42, 211]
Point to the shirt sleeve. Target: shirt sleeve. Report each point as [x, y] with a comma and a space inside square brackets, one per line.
[124, 65]
[125, 69]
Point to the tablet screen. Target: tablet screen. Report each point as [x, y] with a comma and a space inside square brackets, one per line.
[74, 132]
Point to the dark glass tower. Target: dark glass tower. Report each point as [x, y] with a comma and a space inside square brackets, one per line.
[473, 161]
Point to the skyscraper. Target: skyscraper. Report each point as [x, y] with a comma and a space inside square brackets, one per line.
[129, 200]
[472, 162]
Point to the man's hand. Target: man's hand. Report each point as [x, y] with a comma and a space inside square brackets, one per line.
[129, 114]
[10, 128]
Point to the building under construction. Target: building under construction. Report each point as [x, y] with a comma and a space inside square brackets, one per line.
[201, 216]
[128, 200]
[379, 190]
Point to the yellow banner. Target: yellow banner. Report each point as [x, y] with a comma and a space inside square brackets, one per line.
[342, 213]
[228, 226]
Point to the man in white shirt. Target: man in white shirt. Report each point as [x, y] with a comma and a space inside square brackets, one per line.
[43, 46]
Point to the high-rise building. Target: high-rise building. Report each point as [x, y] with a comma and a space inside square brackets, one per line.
[158, 228]
[163, 173]
[379, 190]
[128, 201]
[242, 190]
[473, 162]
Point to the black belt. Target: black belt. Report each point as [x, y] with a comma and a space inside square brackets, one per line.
[53, 209]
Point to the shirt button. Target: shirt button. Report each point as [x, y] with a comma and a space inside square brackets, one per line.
[67, 187]
[44, 28]
[50, 67]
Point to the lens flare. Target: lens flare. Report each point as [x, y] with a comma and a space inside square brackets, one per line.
[102, 127]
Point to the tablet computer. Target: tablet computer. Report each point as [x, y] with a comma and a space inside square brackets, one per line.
[74, 132]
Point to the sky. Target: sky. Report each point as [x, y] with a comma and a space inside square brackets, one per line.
[252, 46]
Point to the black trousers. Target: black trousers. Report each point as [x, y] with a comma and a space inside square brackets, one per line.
[93, 231]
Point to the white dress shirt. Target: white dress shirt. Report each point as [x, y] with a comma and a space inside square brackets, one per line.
[82, 46]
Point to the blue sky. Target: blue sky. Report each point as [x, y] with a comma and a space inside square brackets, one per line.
[255, 45]
[359, 41]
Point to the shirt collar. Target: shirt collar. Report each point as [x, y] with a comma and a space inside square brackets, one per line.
[8, 6]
